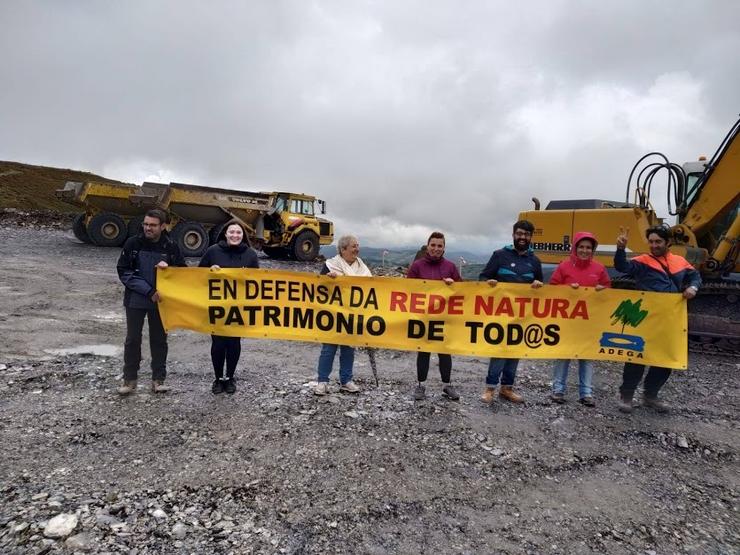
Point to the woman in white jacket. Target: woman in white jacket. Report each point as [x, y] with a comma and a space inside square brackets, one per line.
[346, 263]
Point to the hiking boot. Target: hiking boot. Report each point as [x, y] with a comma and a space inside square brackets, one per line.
[217, 387]
[509, 394]
[159, 387]
[558, 398]
[420, 393]
[625, 403]
[656, 404]
[489, 395]
[128, 387]
[349, 387]
[451, 393]
[322, 388]
[587, 401]
[230, 386]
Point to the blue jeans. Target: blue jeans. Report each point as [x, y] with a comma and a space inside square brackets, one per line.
[326, 361]
[498, 365]
[585, 375]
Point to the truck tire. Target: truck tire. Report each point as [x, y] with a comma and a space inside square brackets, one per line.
[306, 246]
[191, 237]
[80, 229]
[107, 230]
[134, 226]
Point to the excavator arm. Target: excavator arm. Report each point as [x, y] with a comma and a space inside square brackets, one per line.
[718, 190]
[710, 212]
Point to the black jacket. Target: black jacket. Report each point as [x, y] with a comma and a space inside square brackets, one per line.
[137, 267]
[226, 256]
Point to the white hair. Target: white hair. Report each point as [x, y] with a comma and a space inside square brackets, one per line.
[345, 241]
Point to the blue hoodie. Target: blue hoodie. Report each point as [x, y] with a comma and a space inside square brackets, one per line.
[510, 266]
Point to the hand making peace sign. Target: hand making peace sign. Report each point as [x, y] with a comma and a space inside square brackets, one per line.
[622, 237]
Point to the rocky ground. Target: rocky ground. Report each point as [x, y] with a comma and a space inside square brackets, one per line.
[273, 469]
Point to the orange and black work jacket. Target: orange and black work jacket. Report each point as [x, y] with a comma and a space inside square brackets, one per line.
[666, 274]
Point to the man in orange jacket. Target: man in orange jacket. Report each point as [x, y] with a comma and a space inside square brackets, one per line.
[659, 271]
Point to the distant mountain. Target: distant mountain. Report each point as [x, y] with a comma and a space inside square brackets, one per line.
[374, 256]
[395, 258]
[404, 256]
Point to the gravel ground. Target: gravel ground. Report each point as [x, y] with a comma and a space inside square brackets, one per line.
[273, 469]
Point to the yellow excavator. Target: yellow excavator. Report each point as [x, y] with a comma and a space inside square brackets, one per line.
[704, 197]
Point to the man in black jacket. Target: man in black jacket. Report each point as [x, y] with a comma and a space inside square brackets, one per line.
[137, 270]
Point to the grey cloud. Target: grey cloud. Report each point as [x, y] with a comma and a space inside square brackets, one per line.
[430, 114]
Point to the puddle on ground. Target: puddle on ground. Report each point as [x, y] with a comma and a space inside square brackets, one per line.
[95, 350]
[109, 316]
[8, 290]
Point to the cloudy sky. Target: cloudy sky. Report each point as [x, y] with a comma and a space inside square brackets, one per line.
[405, 116]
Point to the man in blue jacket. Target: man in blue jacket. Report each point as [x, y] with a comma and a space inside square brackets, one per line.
[515, 263]
[660, 271]
[137, 270]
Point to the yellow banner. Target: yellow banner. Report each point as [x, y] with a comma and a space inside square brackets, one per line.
[469, 318]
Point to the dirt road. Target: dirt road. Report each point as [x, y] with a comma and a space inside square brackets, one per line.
[273, 469]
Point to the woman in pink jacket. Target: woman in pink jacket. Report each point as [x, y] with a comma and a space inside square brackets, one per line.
[579, 270]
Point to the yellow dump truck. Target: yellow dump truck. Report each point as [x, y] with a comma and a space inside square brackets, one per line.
[280, 223]
[107, 209]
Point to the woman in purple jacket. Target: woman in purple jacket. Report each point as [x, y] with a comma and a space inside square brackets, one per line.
[433, 265]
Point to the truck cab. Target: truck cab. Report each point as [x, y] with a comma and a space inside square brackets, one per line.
[293, 228]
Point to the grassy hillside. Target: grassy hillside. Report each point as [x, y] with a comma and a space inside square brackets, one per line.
[30, 187]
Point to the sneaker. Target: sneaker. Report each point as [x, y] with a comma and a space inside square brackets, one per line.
[322, 388]
[230, 386]
[451, 393]
[349, 387]
[587, 401]
[509, 394]
[217, 387]
[420, 393]
[558, 398]
[127, 388]
[656, 404]
[159, 387]
[624, 404]
[489, 395]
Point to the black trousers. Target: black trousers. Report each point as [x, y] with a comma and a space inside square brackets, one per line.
[632, 374]
[225, 349]
[422, 367]
[132, 347]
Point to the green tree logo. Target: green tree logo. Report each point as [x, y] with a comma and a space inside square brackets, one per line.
[629, 313]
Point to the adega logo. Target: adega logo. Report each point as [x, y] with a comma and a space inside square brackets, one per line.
[628, 313]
